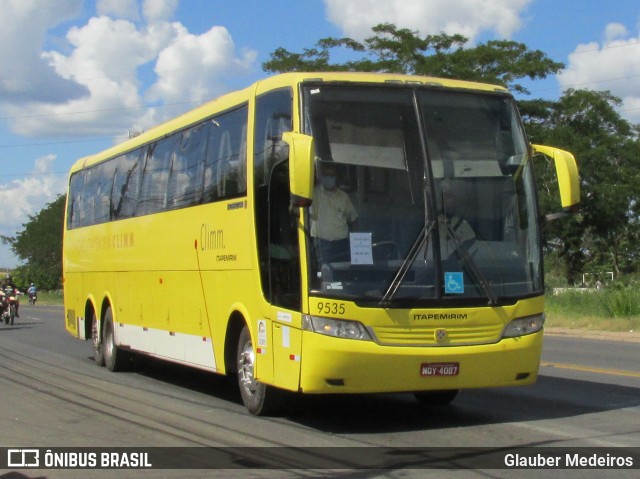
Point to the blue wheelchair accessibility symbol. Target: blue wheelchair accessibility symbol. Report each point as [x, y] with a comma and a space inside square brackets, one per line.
[453, 283]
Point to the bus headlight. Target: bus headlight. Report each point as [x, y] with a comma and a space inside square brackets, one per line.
[524, 326]
[338, 328]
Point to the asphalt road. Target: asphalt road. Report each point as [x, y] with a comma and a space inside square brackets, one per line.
[53, 395]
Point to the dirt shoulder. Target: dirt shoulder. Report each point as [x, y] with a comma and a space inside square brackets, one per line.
[627, 336]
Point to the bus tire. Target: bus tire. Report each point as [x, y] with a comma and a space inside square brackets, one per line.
[258, 398]
[115, 359]
[436, 398]
[97, 344]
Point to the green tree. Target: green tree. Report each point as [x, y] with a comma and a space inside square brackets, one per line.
[39, 246]
[400, 50]
[605, 233]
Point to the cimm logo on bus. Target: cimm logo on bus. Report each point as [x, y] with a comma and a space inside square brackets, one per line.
[211, 238]
[106, 242]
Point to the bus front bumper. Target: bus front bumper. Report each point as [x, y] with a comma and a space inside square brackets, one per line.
[333, 365]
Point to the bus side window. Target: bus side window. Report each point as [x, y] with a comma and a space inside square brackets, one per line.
[155, 179]
[86, 200]
[210, 188]
[185, 182]
[225, 171]
[272, 118]
[242, 160]
[96, 196]
[278, 252]
[104, 184]
[127, 183]
[224, 180]
[74, 213]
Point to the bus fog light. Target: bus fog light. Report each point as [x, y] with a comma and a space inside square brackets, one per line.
[524, 326]
[338, 328]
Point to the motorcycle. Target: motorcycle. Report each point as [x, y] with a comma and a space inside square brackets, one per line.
[9, 301]
[33, 297]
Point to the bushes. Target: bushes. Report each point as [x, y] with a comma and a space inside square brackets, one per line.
[608, 303]
[616, 308]
[50, 298]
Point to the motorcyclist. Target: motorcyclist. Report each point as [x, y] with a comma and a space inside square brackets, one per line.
[10, 289]
[32, 291]
[3, 303]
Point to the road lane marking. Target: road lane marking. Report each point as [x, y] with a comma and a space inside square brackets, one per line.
[589, 369]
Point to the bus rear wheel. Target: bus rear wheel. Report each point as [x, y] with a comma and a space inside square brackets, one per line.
[258, 398]
[115, 359]
[98, 353]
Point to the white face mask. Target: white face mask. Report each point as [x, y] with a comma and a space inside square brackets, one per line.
[328, 182]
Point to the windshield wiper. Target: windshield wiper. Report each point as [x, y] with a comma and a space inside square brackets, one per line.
[421, 239]
[417, 245]
[473, 267]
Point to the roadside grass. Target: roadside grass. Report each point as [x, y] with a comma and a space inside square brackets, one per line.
[615, 309]
[47, 298]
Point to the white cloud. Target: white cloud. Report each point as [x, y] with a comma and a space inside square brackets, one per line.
[153, 10]
[191, 67]
[105, 59]
[23, 197]
[613, 31]
[468, 17]
[613, 65]
[119, 8]
[26, 196]
[159, 10]
[43, 164]
[24, 74]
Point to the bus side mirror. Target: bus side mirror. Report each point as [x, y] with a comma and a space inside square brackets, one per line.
[300, 167]
[567, 173]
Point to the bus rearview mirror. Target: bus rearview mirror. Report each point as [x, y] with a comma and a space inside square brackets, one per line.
[300, 166]
[567, 173]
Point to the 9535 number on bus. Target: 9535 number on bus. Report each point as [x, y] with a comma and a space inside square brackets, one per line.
[331, 307]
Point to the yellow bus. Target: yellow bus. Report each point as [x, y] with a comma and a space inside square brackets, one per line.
[319, 233]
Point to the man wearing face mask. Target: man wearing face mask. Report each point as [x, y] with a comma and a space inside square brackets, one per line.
[332, 212]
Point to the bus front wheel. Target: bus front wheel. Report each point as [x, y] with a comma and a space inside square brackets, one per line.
[258, 398]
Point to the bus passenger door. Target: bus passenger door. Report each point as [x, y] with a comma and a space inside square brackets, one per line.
[287, 349]
[282, 279]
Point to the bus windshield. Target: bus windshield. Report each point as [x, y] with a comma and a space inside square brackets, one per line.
[422, 196]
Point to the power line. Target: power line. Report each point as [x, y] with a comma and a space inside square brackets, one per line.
[22, 175]
[597, 49]
[63, 142]
[594, 82]
[102, 110]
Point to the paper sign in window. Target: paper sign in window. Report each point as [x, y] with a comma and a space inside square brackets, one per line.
[361, 248]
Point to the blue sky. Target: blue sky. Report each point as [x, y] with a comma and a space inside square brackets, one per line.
[76, 76]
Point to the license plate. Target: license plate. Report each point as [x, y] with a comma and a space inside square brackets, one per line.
[439, 369]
